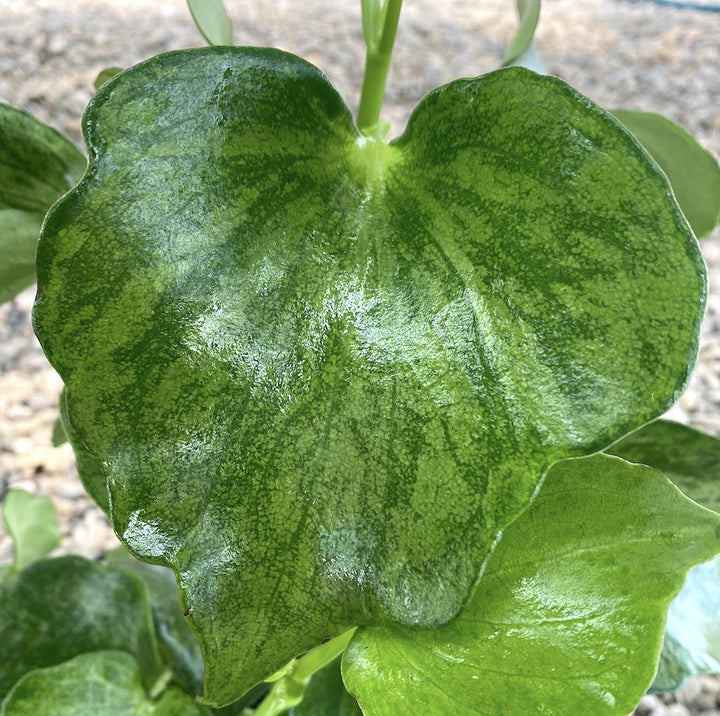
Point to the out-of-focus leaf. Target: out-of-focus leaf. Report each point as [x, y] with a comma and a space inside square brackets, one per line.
[576, 591]
[56, 609]
[689, 457]
[693, 172]
[176, 638]
[101, 683]
[529, 15]
[31, 523]
[107, 74]
[326, 695]
[212, 20]
[37, 166]
[692, 632]
[324, 367]
[59, 436]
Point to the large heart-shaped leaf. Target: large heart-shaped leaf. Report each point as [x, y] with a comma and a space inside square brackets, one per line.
[37, 166]
[322, 373]
[101, 683]
[568, 617]
[56, 609]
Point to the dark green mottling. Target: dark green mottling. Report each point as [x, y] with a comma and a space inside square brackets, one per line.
[322, 373]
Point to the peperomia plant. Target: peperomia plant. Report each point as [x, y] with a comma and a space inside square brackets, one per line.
[355, 392]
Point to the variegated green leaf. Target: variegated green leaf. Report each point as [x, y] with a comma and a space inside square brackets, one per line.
[322, 373]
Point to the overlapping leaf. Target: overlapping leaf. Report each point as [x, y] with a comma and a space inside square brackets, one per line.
[56, 609]
[693, 172]
[37, 166]
[689, 457]
[569, 614]
[100, 683]
[321, 373]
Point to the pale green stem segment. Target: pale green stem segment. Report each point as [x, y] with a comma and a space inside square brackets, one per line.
[289, 687]
[379, 26]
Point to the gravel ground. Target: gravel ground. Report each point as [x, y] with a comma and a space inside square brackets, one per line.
[636, 55]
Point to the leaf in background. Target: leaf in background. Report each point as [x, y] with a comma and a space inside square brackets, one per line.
[212, 20]
[318, 366]
[689, 457]
[568, 616]
[32, 524]
[59, 436]
[175, 636]
[522, 43]
[326, 695]
[88, 466]
[37, 166]
[107, 74]
[101, 683]
[692, 632]
[58, 608]
[693, 172]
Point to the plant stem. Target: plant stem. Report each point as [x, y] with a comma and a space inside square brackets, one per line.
[289, 689]
[377, 63]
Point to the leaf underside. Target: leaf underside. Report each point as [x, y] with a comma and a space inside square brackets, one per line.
[321, 373]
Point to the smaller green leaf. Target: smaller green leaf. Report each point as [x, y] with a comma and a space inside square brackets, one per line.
[56, 609]
[692, 171]
[325, 695]
[107, 74]
[37, 166]
[212, 20]
[32, 524]
[59, 436]
[102, 683]
[575, 593]
[689, 457]
[692, 632]
[88, 466]
[529, 14]
[19, 231]
[177, 640]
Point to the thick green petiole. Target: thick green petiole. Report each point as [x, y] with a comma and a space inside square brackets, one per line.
[380, 26]
[289, 686]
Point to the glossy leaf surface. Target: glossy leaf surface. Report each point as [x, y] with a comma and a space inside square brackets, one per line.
[692, 632]
[689, 457]
[102, 683]
[59, 608]
[212, 20]
[693, 172]
[569, 614]
[37, 166]
[321, 372]
[32, 524]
